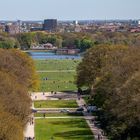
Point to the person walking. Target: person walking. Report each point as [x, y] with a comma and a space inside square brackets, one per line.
[99, 137]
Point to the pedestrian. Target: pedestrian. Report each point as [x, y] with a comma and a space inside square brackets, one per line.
[98, 136]
[44, 115]
[79, 98]
[102, 132]
[92, 120]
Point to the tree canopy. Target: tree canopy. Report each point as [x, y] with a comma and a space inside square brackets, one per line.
[113, 71]
[17, 77]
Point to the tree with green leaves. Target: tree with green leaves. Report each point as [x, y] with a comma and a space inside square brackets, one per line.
[113, 71]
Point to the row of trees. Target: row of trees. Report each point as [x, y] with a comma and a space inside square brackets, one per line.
[17, 76]
[27, 40]
[112, 72]
[68, 40]
[82, 41]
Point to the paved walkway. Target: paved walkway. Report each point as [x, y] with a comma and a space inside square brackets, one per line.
[62, 117]
[97, 132]
[29, 131]
[49, 96]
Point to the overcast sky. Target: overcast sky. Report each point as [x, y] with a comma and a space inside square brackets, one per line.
[69, 9]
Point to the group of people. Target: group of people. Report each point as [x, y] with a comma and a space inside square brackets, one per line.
[29, 138]
[100, 136]
[31, 121]
[52, 92]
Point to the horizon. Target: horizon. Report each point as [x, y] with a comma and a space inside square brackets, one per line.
[41, 20]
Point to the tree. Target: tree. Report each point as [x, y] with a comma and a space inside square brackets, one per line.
[17, 77]
[114, 74]
[20, 65]
[10, 128]
[89, 70]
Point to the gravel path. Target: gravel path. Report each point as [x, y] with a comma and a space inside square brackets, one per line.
[29, 131]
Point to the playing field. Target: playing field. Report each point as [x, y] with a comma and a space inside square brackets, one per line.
[62, 129]
[57, 75]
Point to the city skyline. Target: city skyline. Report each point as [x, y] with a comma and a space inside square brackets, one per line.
[69, 10]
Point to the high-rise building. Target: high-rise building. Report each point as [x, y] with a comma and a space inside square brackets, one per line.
[50, 25]
[139, 22]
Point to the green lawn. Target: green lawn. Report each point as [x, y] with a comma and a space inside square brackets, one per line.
[57, 81]
[57, 114]
[56, 64]
[55, 104]
[62, 129]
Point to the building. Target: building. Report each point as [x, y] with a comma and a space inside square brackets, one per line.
[139, 22]
[12, 29]
[68, 51]
[50, 25]
[2, 28]
[75, 22]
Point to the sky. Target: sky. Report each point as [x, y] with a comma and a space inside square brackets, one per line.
[69, 9]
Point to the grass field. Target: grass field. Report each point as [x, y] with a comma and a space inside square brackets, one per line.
[62, 129]
[56, 64]
[58, 80]
[55, 104]
[57, 114]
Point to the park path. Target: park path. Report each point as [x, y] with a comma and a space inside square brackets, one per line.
[49, 96]
[91, 122]
[63, 117]
[29, 130]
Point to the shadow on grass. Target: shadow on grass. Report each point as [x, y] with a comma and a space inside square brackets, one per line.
[75, 114]
[69, 91]
[80, 123]
[75, 135]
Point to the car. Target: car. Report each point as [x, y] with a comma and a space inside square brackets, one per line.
[64, 111]
[80, 109]
[34, 110]
[91, 108]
